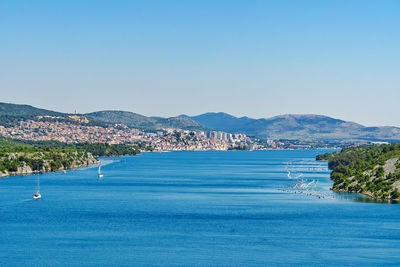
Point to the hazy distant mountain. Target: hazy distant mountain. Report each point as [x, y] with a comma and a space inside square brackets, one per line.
[221, 121]
[295, 126]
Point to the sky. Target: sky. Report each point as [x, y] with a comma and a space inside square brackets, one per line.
[251, 58]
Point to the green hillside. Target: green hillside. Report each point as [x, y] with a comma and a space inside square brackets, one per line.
[25, 110]
[369, 170]
[135, 120]
[5, 142]
[10, 114]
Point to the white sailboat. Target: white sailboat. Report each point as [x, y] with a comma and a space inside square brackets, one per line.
[100, 174]
[37, 195]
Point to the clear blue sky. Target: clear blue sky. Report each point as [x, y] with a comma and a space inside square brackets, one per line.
[254, 58]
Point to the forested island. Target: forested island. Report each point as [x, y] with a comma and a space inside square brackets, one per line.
[19, 158]
[370, 170]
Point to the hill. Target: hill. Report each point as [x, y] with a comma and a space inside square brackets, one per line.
[368, 170]
[11, 113]
[222, 122]
[135, 120]
[295, 127]
[26, 110]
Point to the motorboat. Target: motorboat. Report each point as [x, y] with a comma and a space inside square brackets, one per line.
[99, 173]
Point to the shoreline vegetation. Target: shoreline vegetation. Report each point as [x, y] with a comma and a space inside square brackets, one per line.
[373, 171]
[22, 158]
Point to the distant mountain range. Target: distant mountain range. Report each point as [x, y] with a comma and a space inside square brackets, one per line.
[295, 127]
[279, 127]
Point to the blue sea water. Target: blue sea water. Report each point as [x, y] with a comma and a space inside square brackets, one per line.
[193, 209]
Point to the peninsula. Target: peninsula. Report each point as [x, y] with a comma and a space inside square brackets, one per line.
[19, 158]
[369, 170]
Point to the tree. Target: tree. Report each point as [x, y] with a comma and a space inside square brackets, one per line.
[380, 171]
[395, 194]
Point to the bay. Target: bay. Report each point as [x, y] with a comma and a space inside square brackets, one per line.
[232, 208]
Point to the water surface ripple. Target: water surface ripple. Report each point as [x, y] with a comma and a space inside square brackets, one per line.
[193, 209]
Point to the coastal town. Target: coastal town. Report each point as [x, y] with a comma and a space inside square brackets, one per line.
[160, 140]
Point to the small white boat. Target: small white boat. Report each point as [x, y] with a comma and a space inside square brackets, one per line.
[64, 171]
[37, 195]
[100, 174]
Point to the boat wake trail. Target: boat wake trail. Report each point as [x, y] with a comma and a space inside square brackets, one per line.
[304, 186]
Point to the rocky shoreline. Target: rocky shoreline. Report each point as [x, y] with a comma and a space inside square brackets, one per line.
[33, 163]
[372, 171]
[358, 187]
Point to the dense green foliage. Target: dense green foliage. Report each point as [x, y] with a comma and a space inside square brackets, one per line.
[100, 149]
[5, 142]
[97, 149]
[52, 156]
[361, 170]
[41, 158]
[241, 148]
